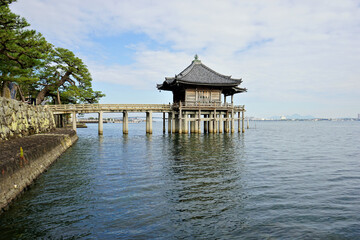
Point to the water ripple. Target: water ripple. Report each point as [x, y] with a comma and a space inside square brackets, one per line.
[282, 180]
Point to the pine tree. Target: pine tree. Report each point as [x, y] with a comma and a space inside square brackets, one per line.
[21, 50]
[66, 78]
[37, 67]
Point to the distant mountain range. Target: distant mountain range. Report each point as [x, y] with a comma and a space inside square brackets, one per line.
[294, 116]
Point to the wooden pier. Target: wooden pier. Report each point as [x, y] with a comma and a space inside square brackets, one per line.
[197, 102]
[182, 118]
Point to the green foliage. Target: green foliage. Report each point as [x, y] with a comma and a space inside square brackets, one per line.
[21, 50]
[66, 73]
[40, 69]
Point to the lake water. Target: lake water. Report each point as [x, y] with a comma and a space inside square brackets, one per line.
[279, 180]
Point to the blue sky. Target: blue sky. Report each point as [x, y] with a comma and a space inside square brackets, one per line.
[293, 56]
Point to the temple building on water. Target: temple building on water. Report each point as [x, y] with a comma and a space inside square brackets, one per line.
[197, 100]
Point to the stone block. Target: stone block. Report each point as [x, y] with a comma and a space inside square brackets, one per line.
[18, 119]
[16, 106]
[7, 110]
[14, 126]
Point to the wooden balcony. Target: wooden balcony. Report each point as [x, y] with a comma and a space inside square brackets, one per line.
[208, 106]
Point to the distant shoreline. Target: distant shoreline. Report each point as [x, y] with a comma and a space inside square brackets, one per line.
[309, 120]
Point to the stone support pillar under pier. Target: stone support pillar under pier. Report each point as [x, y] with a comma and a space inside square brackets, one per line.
[173, 122]
[177, 123]
[192, 123]
[73, 118]
[180, 120]
[169, 122]
[239, 124]
[100, 123]
[186, 123]
[226, 123]
[215, 122]
[63, 120]
[149, 122]
[221, 124]
[196, 126]
[198, 122]
[232, 121]
[206, 123]
[242, 119]
[125, 122]
[164, 123]
[211, 123]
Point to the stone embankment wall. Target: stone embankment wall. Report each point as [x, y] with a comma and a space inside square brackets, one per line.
[19, 168]
[19, 119]
[29, 144]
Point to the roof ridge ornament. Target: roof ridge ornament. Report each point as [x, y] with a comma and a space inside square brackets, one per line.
[196, 59]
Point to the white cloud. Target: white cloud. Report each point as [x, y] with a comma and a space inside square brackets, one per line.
[147, 70]
[291, 50]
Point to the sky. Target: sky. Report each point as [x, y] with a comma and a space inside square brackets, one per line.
[293, 56]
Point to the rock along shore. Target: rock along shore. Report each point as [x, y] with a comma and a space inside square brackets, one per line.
[18, 170]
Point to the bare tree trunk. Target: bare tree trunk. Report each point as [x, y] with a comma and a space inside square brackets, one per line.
[1, 87]
[45, 91]
[58, 96]
[21, 94]
[41, 95]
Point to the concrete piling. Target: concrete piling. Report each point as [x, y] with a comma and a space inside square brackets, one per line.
[125, 122]
[73, 121]
[149, 122]
[242, 119]
[164, 122]
[169, 122]
[100, 123]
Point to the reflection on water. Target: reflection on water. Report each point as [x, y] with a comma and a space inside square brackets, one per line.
[281, 180]
[206, 186]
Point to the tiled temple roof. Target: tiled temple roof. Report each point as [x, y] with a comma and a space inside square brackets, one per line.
[200, 75]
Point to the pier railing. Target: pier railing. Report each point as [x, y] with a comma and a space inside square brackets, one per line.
[90, 108]
[217, 105]
[215, 116]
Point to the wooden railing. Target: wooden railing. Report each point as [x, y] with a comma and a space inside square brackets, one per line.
[208, 104]
[90, 108]
[87, 108]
